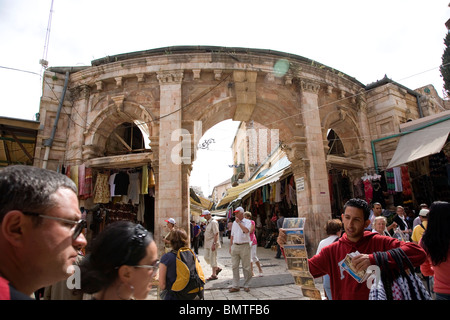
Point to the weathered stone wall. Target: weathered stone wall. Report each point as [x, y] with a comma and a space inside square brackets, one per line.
[178, 93]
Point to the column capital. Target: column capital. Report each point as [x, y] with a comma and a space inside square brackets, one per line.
[309, 86]
[80, 92]
[170, 77]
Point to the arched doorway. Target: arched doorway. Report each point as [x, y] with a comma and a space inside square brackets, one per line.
[178, 93]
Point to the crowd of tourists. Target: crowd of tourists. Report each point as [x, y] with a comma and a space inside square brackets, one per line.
[41, 237]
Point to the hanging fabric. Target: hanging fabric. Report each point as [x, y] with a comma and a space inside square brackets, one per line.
[144, 180]
[398, 179]
[390, 183]
[134, 187]
[122, 180]
[368, 190]
[74, 174]
[112, 186]
[151, 181]
[101, 189]
[399, 284]
[141, 208]
[87, 189]
[81, 179]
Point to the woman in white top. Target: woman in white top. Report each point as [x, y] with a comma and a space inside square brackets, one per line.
[379, 226]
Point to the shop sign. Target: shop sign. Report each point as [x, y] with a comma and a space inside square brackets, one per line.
[300, 183]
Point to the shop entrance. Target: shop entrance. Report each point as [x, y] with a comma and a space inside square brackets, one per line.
[123, 182]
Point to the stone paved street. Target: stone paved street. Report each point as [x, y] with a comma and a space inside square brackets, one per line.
[275, 284]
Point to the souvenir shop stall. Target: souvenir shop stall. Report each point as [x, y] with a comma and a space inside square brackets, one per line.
[420, 162]
[266, 203]
[408, 185]
[430, 178]
[390, 188]
[372, 187]
[110, 194]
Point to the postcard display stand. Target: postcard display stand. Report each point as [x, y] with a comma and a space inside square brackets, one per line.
[297, 258]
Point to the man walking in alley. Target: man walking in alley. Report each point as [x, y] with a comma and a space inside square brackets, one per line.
[240, 249]
[212, 244]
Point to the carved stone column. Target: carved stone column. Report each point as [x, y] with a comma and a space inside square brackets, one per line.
[314, 201]
[364, 129]
[80, 98]
[169, 200]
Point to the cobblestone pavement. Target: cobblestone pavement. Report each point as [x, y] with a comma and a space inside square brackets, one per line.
[275, 284]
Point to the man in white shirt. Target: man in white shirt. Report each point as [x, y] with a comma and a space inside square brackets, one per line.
[240, 249]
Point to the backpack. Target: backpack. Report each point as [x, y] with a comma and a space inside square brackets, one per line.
[190, 280]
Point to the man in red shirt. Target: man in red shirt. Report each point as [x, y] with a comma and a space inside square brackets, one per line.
[355, 220]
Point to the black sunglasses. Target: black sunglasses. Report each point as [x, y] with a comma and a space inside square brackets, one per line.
[79, 225]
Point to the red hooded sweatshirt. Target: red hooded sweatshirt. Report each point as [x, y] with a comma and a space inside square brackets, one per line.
[326, 262]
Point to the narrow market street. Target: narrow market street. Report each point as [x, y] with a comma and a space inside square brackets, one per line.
[275, 284]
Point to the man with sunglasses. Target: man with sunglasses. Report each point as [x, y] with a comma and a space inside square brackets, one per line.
[40, 229]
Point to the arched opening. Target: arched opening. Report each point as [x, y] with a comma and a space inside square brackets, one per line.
[335, 144]
[249, 169]
[338, 178]
[126, 138]
[214, 158]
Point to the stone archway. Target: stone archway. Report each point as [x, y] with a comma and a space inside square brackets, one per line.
[173, 90]
[108, 119]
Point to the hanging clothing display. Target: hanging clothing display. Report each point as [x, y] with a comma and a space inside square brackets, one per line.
[87, 186]
[358, 188]
[141, 208]
[74, 174]
[144, 180]
[81, 179]
[122, 180]
[112, 186]
[398, 179]
[151, 179]
[84, 182]
[368, 190]
[134, 187]
[101, 189]
[390, 181]
[378, 193]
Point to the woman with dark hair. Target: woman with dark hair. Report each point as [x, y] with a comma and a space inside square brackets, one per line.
[436, 242]
[122, 263]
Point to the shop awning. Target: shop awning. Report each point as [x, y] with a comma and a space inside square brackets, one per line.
[420, 143]
[219, 214]
[234, 192]
[271, 175]
[269, 179]
[17, 141]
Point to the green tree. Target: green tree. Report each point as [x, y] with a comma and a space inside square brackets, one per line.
[445, 67]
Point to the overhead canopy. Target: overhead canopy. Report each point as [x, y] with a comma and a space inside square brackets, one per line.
[17, 141]
[269, 179]
[421, 143]
[234, 192]
[271, 175]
